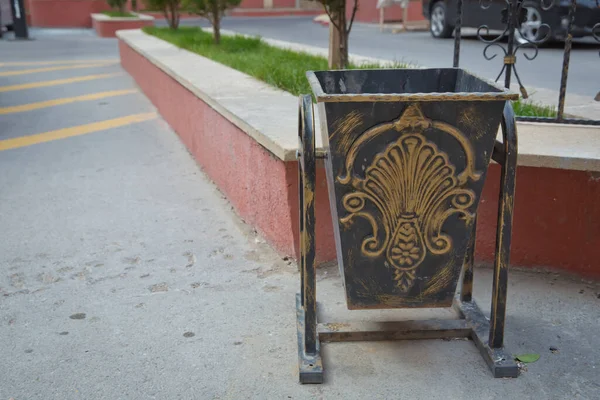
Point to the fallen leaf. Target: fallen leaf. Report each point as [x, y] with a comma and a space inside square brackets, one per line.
[528, 358]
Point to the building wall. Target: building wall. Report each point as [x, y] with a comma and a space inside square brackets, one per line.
[65, 13]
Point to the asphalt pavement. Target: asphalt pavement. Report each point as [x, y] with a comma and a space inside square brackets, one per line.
[124, 273]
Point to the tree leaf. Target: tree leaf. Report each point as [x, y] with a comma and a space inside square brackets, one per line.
[528, 358]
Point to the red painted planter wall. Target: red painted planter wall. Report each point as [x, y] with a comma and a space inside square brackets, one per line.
[108, 28]
[284, 3]
[65, 13]
[28, 12]
[251, 4]
[556, 221]
[368, 11]
[557, 212]
[262, 189]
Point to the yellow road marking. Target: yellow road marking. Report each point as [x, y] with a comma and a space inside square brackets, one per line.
[55, 82]
[73, 131]
[48, 69]
[66, 100]
[31, 63]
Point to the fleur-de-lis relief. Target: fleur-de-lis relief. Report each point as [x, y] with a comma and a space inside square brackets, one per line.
[407, 193]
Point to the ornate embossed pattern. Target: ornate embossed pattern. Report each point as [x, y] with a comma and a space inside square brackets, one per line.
[407, 193]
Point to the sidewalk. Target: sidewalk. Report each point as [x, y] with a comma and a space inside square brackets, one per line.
[125, 275]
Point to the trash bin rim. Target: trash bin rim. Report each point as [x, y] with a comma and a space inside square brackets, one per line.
[502, 94]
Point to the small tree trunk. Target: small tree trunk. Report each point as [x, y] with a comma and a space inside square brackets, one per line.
[216, 24]
[344, 59]
[165, 11]
[338, 41]
[335, 57]
[174, 15]
[169, 14]
[344, 34]
[217, 31]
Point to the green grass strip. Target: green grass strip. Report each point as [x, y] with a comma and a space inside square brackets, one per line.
[525, 108]
[119, 14]
[284, 69]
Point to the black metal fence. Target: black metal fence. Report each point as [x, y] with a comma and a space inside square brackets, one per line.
[525, 35]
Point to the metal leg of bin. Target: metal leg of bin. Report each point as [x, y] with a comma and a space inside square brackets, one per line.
[301, 259]
[466, 293]
[310, 365]
[489, 335]
[503, 233]
[499, 360]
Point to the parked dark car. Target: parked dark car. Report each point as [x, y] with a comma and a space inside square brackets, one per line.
[442, 16]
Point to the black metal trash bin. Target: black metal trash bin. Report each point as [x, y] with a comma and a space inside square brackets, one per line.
[406, 156]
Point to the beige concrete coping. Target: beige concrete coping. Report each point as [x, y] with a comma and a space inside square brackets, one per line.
[270, 115]
[559, 146]
[267, 114]
[107, 18]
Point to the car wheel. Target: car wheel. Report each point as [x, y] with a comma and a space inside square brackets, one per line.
[439, 26]
[532, 29]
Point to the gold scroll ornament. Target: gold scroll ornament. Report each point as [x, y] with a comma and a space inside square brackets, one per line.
[414, 187]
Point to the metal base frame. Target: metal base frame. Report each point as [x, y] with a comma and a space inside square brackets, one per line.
[309, 365]
[499, 360]
[472, 324]
[488, 335]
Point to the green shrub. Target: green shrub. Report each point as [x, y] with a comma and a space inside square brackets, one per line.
[213, 10]
[118, 5]
[170, 8]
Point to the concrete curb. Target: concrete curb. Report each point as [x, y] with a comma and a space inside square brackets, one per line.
[108, 18]
[107, 26]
